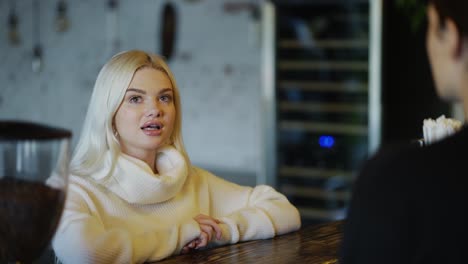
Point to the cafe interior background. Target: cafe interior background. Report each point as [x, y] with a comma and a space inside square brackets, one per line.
[295, 94]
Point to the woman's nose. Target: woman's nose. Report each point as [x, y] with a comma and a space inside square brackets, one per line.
[154, 110]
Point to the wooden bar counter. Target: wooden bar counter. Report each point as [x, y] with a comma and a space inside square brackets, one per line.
[312, 244]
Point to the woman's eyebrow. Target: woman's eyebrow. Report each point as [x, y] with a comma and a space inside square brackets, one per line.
[136, 90]
[165, 90]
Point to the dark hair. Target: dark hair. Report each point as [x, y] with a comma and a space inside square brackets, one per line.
[454, 9]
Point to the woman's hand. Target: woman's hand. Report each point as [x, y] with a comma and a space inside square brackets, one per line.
[209, 227]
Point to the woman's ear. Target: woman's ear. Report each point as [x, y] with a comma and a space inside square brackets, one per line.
[453, 39]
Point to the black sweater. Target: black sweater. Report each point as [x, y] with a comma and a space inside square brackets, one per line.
[409, 205]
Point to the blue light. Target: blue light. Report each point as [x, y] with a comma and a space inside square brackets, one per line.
[326, 141]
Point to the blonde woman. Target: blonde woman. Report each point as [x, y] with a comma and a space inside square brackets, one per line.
[134, 196]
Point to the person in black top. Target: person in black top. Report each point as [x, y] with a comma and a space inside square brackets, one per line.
[409, 205]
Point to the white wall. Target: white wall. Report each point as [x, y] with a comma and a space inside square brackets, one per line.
[217, 65]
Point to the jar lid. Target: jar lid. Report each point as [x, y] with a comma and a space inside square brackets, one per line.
[24, 130]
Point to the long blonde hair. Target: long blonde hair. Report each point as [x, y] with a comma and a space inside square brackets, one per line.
[97, 135]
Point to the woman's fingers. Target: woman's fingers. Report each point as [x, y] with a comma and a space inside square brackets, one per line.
[185, 250]
[202, 216]
[208, 230]
[209, 221]
[203, 240]
[208, 226]
[190, 246]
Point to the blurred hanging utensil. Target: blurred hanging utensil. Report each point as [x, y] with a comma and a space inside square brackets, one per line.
[113, 42]
[13, 21]
[168, 30]
[61, 21]
[37, 59]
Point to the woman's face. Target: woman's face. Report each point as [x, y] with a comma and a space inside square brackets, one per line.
[441, 47]
[145, 118]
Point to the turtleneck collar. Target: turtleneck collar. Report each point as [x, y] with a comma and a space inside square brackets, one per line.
[134, 181]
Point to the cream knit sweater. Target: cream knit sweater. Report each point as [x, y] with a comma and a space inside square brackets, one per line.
[134, 215]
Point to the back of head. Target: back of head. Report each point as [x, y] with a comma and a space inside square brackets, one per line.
[454, 9]
[97, 137]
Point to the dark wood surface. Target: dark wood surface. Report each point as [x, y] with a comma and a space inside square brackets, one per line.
[313, 244]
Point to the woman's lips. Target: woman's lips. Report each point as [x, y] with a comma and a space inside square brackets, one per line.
[152, 128]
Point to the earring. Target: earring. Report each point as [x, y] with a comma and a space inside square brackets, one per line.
[115, 132]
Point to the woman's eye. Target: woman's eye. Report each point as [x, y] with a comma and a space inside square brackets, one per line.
[135, 99]
[166, 98]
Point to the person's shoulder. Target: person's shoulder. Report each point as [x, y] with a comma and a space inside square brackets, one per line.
[79, 180]
[392, 166]
[199, 171]
[84, 184]
[206, 176]
[198, 174]
[398, 161]
[450, 146]
[392, 157]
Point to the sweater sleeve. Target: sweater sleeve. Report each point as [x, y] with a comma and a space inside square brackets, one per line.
[83, 238]
[250, 213]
